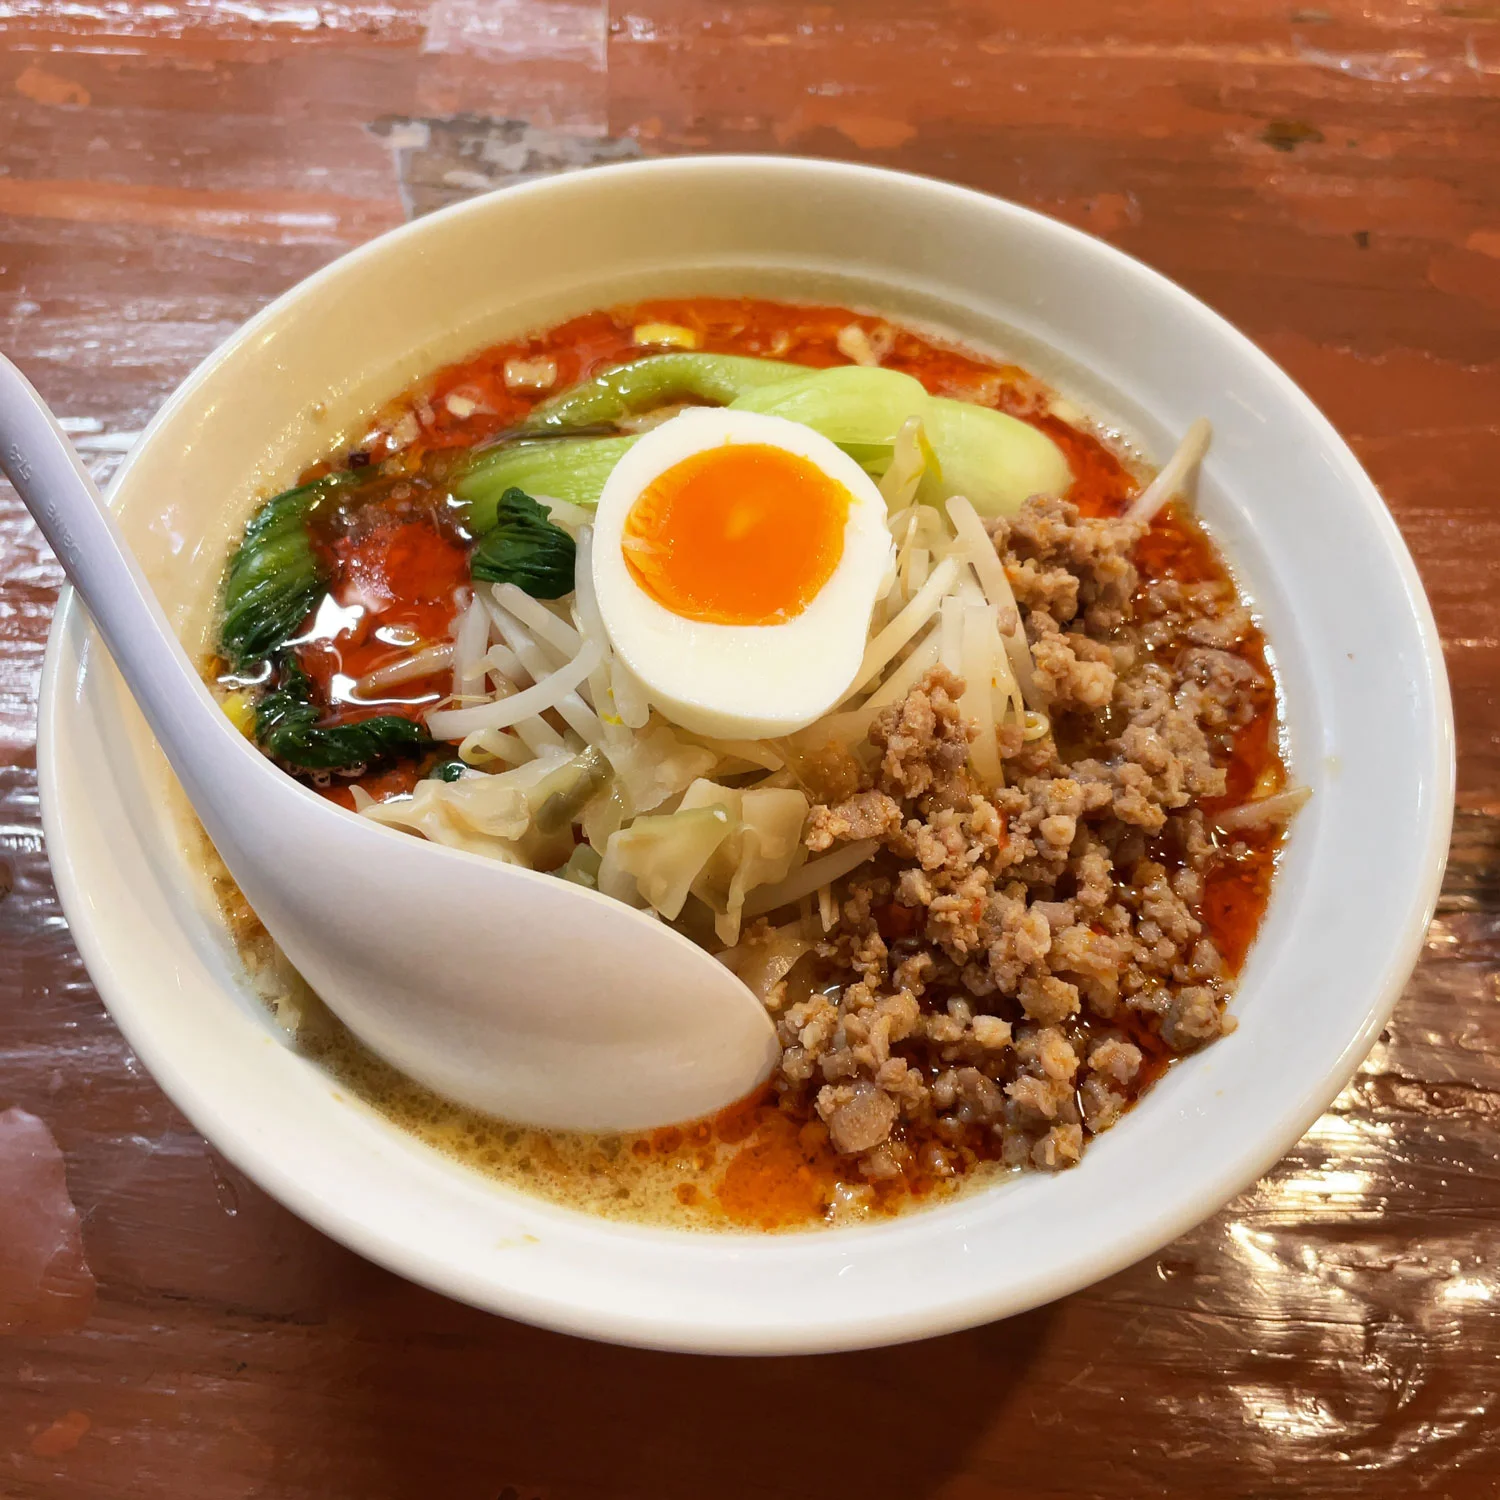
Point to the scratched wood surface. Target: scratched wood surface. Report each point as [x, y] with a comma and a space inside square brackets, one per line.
[1328, 178]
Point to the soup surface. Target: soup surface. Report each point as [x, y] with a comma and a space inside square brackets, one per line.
[1031, 904]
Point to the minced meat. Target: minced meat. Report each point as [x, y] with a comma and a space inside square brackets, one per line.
[1006, 962]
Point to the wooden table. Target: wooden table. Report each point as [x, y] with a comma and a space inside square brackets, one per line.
[1329, 179]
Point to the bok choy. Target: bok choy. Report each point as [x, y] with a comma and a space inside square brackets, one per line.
[274, 578]
[571, 469]
[996, 460]
[853, 404]
[287, 729]
[525, 548]
[626, 390]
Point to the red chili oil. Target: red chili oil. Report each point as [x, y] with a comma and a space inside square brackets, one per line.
[398, 567]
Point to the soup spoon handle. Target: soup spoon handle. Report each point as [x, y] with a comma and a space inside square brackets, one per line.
[66, 504]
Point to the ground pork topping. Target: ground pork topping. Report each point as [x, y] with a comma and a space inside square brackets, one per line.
[924, 743]
[1013, 954]
[866, 815]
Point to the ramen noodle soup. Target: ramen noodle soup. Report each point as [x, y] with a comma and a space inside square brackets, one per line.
[871, 664]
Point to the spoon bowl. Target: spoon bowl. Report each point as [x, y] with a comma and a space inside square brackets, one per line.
[506, 990]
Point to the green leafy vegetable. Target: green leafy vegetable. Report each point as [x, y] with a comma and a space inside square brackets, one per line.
[447, 770]
[643, 383]
[873, 458]
[996, 460]
[525, 548]
[571, 469]
[287, 729]
[854, 404]
[274, 578]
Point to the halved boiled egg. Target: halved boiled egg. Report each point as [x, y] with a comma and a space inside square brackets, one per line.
[737, 561]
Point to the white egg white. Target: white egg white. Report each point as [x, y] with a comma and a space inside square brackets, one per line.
[742, 681]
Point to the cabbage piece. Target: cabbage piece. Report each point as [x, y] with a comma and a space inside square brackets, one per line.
[560, 798]
[571, 469]
[582, 868]
[997, 461]
[764, 960]
[630, 388]
[652, 765]
[489, 815]
[656, 860]
[603, 816]
[763, 847]
[435, 817]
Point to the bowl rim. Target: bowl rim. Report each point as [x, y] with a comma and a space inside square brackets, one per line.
[1152, 1230]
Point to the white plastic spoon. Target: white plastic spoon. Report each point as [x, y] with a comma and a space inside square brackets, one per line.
[514, 992]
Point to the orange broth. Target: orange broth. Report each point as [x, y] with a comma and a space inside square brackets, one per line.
[754, 1164]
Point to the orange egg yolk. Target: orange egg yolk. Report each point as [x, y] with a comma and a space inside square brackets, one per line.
[740, 534]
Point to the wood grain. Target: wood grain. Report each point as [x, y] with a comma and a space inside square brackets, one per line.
[1329, 179]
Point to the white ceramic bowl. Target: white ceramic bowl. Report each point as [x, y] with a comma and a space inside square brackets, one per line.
[1366, 706]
